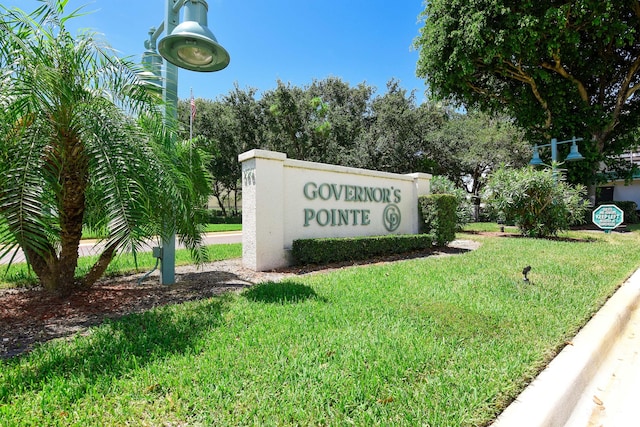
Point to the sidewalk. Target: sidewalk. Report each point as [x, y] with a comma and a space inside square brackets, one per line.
[611, 399]
[595, 380]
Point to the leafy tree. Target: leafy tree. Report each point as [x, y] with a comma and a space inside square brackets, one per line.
[225, 128]
[392, 140]
[329, 121]
[346, 113]
[247, 122]
[82, 141]
[558, 67]
[538, 203]
[472, 145]
[214, 135]
[296, 123]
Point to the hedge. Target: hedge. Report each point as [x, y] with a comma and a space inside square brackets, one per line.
[216, 217]
[225, 220]
[438, 216]
[630, 211]
[326, 250]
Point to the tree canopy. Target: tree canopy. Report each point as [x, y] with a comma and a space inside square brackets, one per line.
[330, 121]
[560, 68]
[470, 146]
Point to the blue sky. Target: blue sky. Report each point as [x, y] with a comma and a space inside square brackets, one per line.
[295, 41]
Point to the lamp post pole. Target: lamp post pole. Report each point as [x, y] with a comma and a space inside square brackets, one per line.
[170, 98]
[189, 45]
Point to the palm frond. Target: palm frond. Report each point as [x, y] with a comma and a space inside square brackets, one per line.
[114, 168]
[21, 201]
[184, 191]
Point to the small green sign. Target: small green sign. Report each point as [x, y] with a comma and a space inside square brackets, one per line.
[608, 217]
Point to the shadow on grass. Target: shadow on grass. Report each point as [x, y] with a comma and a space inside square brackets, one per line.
[403, 256]
[281, 293]
[35, 316]
[112, 350]
[516, 235]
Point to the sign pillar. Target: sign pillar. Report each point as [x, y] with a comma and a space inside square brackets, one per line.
[262, 209]
[422, 187]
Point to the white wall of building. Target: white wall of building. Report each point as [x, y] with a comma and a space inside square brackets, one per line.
[630, 192]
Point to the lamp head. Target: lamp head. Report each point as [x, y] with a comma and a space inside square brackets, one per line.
[536, 160]
[574, 154]
[191, 44]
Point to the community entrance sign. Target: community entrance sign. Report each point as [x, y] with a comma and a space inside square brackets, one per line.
[284, 200]
[608, 217]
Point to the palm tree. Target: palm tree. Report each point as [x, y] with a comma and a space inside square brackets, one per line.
[84, 142]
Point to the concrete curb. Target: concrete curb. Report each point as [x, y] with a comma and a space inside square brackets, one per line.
[551, 398]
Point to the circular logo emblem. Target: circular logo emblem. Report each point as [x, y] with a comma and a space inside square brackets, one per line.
[391, 217]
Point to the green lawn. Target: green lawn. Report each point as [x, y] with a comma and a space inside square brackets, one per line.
[436, 341]
[216, 228]
[20, 275]
[90, 233]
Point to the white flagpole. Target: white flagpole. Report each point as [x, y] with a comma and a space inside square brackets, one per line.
[192, 115]
[192, 106]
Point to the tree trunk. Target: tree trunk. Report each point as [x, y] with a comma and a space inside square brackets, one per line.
[476, 187]
[235, 201]
[217, 193]
[100, 266]
[591, 194]
[599, 140]
[476, 208]
[45, 268]
[74, 171]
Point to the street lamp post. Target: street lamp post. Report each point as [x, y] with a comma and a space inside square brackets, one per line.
[573, 155]
[190, 45]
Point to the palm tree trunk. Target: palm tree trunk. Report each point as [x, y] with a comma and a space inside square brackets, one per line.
[45, 268]
[100, 266]
[73, 184]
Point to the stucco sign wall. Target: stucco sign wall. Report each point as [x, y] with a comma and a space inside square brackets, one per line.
[284, 200]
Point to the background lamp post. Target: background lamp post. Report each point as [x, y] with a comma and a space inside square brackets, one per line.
[573, 155]
[190, 45]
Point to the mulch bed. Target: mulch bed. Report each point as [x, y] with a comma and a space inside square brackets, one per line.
[30, 316]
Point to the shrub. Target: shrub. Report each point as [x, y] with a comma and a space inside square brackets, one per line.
[216, 217]
[630, 211]
[326, 250]
[464, 210]
[537, 202]
[438, 215]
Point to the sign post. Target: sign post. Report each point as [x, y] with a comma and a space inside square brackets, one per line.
[607, 217]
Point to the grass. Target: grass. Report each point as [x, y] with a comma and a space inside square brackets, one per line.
[435, 341]
[90, 233]
[217, 228]
[20, 275]
[98, 233]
